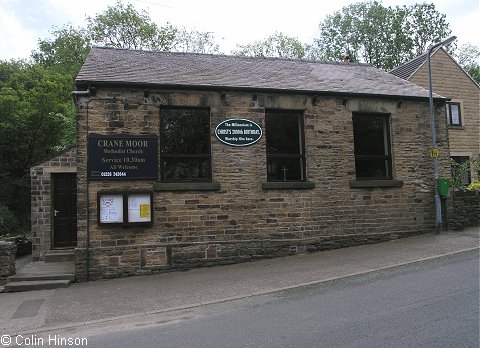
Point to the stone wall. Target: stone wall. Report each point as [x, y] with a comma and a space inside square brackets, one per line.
[41, 198]
[7, 260]
[244, 219]
[23, 245]
[465, 211]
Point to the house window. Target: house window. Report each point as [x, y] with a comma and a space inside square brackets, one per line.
[461, 170]
[454, 114]
[373, 158]
[285, 145]
[185, 144]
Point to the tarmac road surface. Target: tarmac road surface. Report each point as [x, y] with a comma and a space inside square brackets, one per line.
[433, 303]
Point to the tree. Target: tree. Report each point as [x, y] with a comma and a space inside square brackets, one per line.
[123, 27]
[277, 45]
[468, 57]
[195, 41]
[382, 36]
[61, 57]
[34, 124]
[37, 114]
[425, 26]
[66, 52]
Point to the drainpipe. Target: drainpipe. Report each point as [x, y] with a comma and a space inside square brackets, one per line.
[75, 94]
[438, 206]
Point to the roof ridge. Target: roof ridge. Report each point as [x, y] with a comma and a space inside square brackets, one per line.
[235, 56]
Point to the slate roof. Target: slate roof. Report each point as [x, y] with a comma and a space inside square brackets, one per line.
[187, 70]
[405, 71]
[408, 69]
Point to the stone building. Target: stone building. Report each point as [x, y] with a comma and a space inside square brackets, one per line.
[462, 108]
[53, 187]
[187, 160]
[463, 120]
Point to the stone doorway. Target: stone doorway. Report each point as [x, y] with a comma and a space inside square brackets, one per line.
[64, 210]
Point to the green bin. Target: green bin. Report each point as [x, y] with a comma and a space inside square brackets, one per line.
[443, 187]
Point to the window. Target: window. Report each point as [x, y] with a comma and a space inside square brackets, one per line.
[285, 145]
[185, 144]
[373, 159]
[454, 114]
[461, 170]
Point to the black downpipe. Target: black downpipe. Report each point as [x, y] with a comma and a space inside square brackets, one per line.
[76, 94]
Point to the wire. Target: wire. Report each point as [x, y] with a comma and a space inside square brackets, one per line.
[155, 4]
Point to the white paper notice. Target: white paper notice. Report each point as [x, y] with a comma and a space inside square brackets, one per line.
[111, 209]
[139, 207]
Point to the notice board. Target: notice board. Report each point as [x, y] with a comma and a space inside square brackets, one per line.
[125, 208]
[139, 208]
[111, 209]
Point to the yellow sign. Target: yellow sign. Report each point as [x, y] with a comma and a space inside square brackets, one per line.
[434, 153]
[144, 210]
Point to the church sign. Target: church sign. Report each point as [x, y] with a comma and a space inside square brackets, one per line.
[122, 157]
[238, 132]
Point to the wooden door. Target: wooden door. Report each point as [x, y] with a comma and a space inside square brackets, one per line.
[65, 210]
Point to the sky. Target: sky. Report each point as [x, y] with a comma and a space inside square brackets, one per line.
[24, 22]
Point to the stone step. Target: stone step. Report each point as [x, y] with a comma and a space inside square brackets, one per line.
[59, 255]
[36, 285]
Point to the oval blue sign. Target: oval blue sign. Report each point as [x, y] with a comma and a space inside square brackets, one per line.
[238, 132]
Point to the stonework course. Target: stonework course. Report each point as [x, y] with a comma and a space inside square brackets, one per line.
[465, 211]
[238, 217]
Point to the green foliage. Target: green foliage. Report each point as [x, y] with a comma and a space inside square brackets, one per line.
[8, 222]
[66, 52]
[425, 26]
[277, 45]
[61, 57]
[34, 104]
[37, 114]
[36, 121]
[382, 36]
[460, 171]
[195, 42]
[474, 186]
[468, 56]
[123, 26]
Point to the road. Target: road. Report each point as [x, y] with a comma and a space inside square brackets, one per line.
[427, 304]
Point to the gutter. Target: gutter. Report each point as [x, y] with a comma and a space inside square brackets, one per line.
[218, 88]
[88, 92]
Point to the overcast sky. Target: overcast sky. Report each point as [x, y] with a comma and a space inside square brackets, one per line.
[23, 22]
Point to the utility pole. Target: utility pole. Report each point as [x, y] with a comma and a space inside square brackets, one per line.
[438, 205]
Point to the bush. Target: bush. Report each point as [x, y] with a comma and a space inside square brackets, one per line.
[461, 173]
[8, 221]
